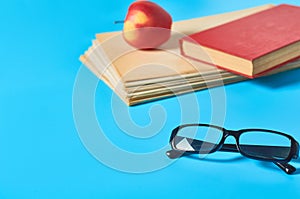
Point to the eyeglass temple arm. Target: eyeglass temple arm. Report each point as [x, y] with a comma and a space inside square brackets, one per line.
[279, 150]
[229, 148]
[176, 153]
[286, 167]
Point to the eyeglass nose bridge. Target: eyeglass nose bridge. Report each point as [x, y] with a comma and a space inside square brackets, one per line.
[230, 147]
[232, 133]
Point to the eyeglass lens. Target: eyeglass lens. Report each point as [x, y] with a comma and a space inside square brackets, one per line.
[265, 145]
[198, 138]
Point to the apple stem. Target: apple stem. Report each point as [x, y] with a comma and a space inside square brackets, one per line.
[120, 21]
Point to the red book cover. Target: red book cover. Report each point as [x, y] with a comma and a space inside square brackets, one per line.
[254, 36]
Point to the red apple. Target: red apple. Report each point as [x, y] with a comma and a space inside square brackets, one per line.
[147, 25]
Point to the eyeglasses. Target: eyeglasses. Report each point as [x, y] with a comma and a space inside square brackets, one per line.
[259, 144]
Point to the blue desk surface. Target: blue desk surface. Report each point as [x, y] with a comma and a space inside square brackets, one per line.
[45, 148]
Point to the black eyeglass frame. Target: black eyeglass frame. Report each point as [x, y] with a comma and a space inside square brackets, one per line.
[283, 164]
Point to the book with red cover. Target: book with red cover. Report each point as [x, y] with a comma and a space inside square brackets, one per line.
[249, 46]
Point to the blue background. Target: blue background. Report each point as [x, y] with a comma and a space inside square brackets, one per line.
[41, 154]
